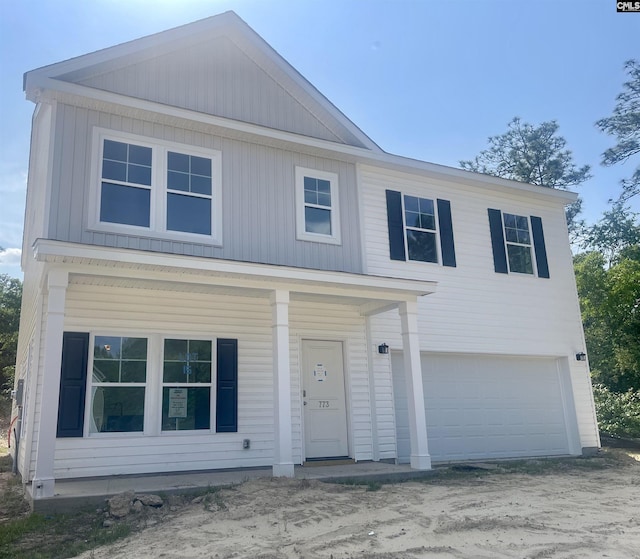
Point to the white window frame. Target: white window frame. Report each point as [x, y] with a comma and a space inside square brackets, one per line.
[147, 426]
[436, 231]
[301, 233]
[212, 387]
[534, 271]
[159, 191]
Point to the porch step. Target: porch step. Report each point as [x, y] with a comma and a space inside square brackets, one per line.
[328, 462]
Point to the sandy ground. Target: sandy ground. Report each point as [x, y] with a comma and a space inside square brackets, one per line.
[575, 514]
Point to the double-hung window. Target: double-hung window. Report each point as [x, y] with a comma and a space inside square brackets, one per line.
[153, 188]
[518, 244]
[186, 388]
[317, 209]
[118, 384]
[420, 229]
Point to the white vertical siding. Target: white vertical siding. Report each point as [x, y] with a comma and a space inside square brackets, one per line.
[219, 78]
[258, 196]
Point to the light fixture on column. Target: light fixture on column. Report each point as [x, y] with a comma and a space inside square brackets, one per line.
[383, 349]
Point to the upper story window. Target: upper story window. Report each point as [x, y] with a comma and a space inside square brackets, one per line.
[518, 241]
[157, 189]
[518, 244]
[317, 210]
[420, 229]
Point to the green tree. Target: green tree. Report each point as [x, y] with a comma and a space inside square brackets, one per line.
[536, 155]
[10, 299]
[617, 231]
[610, 305]
[624, 125]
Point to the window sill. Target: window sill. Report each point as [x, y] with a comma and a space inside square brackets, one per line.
[134, 231]
[317, 238]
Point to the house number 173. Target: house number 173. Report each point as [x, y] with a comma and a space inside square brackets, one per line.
[323, 403]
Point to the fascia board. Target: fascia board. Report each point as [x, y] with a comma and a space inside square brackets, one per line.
[173, 39]
[158, 42]
[297, 279]
[351, 153]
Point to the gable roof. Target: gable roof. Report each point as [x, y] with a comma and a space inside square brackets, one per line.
[217, 66]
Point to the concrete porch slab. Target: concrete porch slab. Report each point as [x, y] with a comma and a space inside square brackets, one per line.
[73, 494]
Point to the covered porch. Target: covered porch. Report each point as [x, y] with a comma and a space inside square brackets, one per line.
[276, 288]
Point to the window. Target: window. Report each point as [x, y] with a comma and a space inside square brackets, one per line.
[118, 384]
[317, 216]
[420, 229]
[157, 189]
[186, 389]
[517, 241]
[188, 193]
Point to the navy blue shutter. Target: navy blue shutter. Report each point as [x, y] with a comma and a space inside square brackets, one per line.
[73, 383]
[539, 246]
[497, 241]
[227, 386]
[446, 233]
[396, 225]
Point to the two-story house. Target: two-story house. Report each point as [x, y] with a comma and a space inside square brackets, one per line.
[222, 271]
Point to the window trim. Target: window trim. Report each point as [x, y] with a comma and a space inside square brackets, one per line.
[211, 384]
[436, 231]
[301, 233]
[147, 428]
[159, 189]
[534, 270]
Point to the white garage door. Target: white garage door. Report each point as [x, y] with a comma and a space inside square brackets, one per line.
[481, 407]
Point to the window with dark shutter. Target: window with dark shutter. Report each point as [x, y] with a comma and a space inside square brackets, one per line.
[73, 382]
[227, 386]
[447, 245]
[539, 247]
[396, 225]
[497, 241]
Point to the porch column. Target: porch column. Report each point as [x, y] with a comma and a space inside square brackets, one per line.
[282, 452]
[420, 459]
[51, 355]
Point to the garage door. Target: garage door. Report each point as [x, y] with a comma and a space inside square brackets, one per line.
[482, 407]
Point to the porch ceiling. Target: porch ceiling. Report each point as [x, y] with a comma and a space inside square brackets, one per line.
[102, 266]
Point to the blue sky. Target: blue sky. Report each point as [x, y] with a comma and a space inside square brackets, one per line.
[427, 79]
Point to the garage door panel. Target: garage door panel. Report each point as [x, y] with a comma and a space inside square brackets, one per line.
[480, 406]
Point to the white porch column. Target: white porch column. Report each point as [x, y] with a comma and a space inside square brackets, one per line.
[420, 459]
[43, 481]
[283, 451]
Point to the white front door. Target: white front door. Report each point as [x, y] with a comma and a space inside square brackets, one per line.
[325, 413]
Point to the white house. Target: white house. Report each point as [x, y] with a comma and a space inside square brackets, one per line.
[223, 271]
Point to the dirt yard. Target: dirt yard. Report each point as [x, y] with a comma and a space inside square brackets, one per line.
[572, 511]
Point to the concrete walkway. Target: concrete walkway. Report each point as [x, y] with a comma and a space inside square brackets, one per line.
[76, 493]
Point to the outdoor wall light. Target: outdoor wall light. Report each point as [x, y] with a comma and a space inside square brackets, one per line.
[581, 356]
[383, 349]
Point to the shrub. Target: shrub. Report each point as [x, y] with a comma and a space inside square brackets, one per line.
[618, 413]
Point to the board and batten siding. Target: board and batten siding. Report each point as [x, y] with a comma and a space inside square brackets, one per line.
[476, 310]
[145, 312]
[258, 196]
[218, 78]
